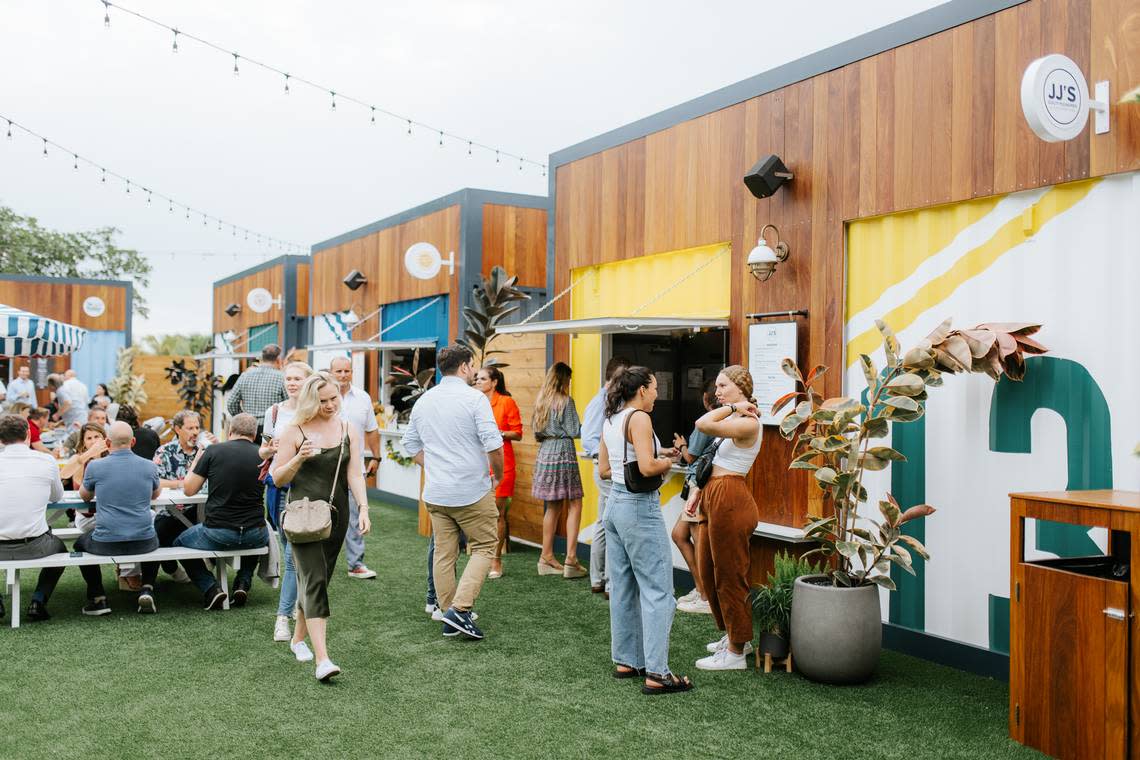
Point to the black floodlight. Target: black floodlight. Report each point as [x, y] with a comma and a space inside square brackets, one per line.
[233, 309]
[354, 279]
[766, 176]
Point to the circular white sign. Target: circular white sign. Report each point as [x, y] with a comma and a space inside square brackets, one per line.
[423, 261]
[93, 306]
[1055, 98]
[259, 299]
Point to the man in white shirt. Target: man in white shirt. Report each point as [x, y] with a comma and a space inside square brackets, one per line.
[22, 390]
[72, 398]
[452, 434]
[29, 481]
[3, 391]
[356, 409]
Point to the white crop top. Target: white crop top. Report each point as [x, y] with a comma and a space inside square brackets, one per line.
[735, 459]
[613, 430]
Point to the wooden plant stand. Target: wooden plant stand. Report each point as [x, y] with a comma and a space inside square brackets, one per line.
[768, 660]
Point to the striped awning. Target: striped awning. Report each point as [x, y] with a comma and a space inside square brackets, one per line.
[25, 334]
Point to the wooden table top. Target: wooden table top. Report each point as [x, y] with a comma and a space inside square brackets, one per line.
[1102, 499]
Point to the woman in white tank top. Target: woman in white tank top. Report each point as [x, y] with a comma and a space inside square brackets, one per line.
[731, 514]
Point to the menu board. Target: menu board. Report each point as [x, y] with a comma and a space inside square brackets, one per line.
[769, 343]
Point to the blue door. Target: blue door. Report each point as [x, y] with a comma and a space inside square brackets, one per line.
[96, 362]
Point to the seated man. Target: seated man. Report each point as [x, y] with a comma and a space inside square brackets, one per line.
[122, 485]
[146, 440]
[234, 512]
[29, 480]
[174, 460]
[37, 424]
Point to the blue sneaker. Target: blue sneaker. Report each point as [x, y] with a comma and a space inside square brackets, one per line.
[462, 622]
[448, 631]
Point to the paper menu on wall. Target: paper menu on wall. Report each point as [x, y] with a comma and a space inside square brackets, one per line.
[769, 344]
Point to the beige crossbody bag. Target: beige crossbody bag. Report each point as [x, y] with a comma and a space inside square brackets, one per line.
[309, 520]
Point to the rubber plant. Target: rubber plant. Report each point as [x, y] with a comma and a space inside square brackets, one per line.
[196, 385]
[413, 383]
[491, 304]
[834, 439]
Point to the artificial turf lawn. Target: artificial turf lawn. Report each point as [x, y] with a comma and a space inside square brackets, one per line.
[186, 683]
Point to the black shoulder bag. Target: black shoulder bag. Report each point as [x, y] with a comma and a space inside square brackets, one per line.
[703, 468]
[634, 480]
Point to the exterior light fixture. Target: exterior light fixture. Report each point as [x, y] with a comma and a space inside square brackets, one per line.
[762, 260]
[233, 309]
[354, 279]
[767, 176]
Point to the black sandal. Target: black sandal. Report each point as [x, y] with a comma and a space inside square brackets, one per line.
[671, 684]
[629, 673]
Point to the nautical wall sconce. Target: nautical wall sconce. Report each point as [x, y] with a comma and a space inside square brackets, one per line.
[762, 260]
[767, 176]
[233, 309]
[354, 279]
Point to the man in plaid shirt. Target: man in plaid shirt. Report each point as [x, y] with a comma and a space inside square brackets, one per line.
[259, 387]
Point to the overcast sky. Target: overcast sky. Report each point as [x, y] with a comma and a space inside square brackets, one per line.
[531, 77]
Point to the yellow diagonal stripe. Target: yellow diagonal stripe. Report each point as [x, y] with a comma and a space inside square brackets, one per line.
[974, 262]
[885, 251]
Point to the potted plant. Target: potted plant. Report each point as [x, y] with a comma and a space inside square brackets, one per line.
[490, 305]
[836, 624]
[772, 603]
[407, 387]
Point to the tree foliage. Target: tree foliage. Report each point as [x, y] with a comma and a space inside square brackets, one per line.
[28, 248]
[176, 344]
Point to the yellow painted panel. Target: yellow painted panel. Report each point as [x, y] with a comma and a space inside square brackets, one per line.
[586, 361]
[884, 251]
[974, 262]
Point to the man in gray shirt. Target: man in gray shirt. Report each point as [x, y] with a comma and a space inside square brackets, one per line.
[453, 435]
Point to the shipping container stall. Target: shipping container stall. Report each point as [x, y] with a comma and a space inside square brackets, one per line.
[102, 307]
[268, 303]
[390, 294]
[914, 190]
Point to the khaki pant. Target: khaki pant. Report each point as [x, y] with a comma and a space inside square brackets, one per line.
[480, 521]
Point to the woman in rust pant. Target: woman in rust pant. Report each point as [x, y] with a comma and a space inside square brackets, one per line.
[730, 511]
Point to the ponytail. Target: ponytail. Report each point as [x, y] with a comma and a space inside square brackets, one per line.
[625, 386]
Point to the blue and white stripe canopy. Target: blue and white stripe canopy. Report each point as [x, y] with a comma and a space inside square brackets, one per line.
[25, 334]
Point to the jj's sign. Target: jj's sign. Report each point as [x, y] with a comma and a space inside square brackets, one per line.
[1055, 99]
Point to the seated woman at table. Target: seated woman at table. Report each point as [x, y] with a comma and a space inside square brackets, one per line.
[122, 486]
[92, 445]
[29, 481]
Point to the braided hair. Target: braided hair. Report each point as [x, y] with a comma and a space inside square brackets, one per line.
[741, 378]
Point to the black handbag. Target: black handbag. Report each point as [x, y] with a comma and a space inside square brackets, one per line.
[634, 480]
[702, 469]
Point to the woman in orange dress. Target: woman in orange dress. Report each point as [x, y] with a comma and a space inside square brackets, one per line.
[491, 382]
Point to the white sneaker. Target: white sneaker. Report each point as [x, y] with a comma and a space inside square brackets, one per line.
[180, 576]
[692, 596]
[361, 572]
[302, 652]
[281, 630]
[698, 605]
[431, 609]
[326, 670]
[723, 659]
[721, 644]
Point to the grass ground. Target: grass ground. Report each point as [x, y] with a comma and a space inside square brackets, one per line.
[186, 683]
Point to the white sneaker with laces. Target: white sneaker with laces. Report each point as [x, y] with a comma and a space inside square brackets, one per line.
[723, 659]
[721, 644]
[326, 669]
[698, 606]
[361, 572]
[431, 609]
[180, 576]
[302, 652]
[281, 630]
[689, 597]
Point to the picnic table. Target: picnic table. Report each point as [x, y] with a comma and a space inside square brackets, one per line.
[168, 498]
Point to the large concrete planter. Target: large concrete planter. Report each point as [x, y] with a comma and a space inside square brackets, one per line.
[837, 633]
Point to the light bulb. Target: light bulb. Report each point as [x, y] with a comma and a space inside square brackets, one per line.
[235, 64]
[128, 187]
[174, 48]
[75, 165]
[469, 147]
[104, 178]
[496, 157]
[286, 84]
[373, 114]
[45, 146]
[409, 126]
[106, 14]
[333, 94]
[441, 138]
[9, 129]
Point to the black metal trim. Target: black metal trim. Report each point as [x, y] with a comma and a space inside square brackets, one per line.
[777, 314]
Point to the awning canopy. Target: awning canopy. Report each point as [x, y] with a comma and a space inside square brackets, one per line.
[605, 325]
[23, 333]
[373, 345]
[227, 355]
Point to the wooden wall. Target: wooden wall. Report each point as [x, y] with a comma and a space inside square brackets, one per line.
[527, 360]
[272, 279]
[934, 121]
[514, 238]
[162, 397]
[64, 301]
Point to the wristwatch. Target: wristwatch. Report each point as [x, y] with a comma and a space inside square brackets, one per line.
[731, 407]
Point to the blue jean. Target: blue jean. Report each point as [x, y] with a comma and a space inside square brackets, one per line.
[288, 598]
[598, 574]
[640, 568]
[353, 541]
[220, 539]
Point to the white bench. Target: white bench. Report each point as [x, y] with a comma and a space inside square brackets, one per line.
[221, 559]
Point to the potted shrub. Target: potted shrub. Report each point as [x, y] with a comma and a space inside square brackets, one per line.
[772, 603]
[836, 624]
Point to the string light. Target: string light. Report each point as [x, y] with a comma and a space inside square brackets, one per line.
[106, 14]
[373, 109]
[76, 158]
[441, 139]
